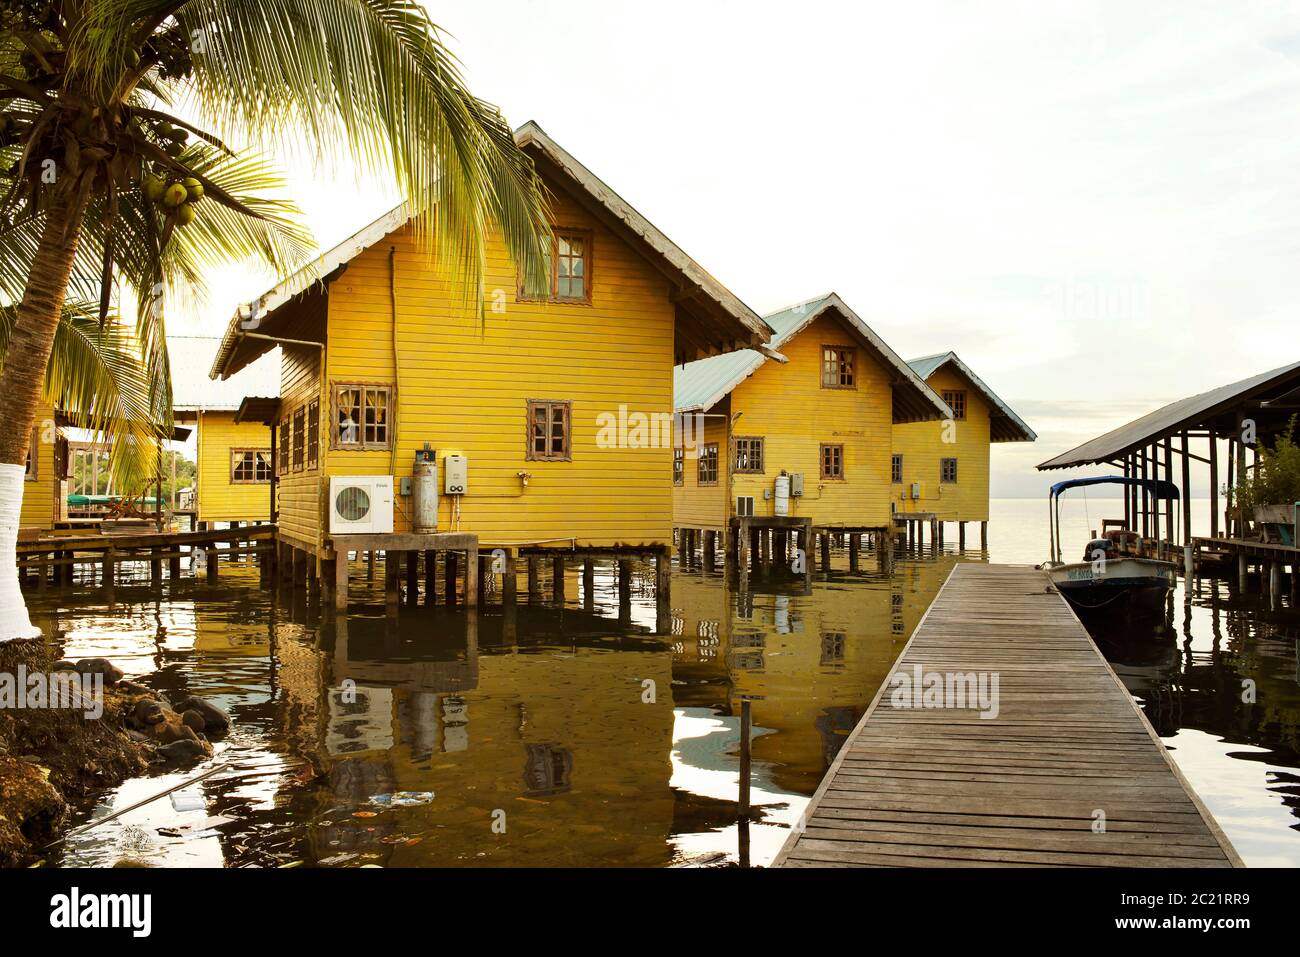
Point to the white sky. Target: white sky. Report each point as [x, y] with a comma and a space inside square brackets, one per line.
[1094, 203]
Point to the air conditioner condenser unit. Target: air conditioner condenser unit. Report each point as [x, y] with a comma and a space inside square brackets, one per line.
[361, 504]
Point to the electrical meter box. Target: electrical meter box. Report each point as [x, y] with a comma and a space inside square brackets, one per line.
[796, 484]
[916, 491]
[455, 470]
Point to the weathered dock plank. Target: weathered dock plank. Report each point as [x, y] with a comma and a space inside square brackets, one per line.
[945, 787]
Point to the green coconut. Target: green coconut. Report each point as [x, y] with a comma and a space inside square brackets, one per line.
[194, 188]
[184, 215]
[154, 187]
[175, 194]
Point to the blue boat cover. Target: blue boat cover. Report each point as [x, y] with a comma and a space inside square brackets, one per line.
[1159, 488]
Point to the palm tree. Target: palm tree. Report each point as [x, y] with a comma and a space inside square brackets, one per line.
[101, 183]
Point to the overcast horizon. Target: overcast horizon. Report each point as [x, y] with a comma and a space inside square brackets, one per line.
[1086, 201]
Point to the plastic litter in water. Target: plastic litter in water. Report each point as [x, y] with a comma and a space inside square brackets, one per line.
[402, 799]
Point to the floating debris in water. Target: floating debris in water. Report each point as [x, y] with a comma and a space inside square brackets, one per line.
[402, 799]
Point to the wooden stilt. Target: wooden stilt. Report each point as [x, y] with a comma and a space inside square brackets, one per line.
[589, 583]
[471, 577]
[341, 581]
[984, 534]
[855, 541]
[392, 574]
[557, 579]
[961, 535]
[430, 577]
[663, 592]
[412, 578]
[451, 561]
[534, 579]
[624, 590]
[826, 551]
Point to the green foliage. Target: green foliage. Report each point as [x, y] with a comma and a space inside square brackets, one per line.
[1275, 480]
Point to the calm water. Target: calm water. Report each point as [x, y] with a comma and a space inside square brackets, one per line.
[591, 743]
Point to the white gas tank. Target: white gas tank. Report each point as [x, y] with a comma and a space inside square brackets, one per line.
[781, 505]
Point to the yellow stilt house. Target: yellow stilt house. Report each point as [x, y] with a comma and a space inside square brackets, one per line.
[45, 491]
[409, 424]
[233, 460]
[799, 440]
[940, 470]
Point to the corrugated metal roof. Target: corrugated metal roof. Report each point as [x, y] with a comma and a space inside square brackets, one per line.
[699, 385]
[1189, 413]
[191, 358]
[1006, 426]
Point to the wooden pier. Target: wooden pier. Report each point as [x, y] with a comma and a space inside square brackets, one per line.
[1069, 772]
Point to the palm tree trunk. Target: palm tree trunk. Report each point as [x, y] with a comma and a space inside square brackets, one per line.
[21, 385]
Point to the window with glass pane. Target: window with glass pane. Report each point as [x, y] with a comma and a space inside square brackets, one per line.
[570, 266]
[956, 400]
[708, 466]
[896, 469]
[837, 367]
[548, 430]
[313, 434]
[282, 448]
[250, 466]
[679, 466]
[363, 416]
[832, 461]
[947, 470]
[299, 438]
[749, 454]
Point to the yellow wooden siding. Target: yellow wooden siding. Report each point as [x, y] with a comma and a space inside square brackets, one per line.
[922, 445]
[300, 496]
[219, 499]
[786, 406]
[465, 385]
[695, 505]
[39, 492]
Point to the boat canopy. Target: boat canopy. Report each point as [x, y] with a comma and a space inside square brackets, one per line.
[1159, 488]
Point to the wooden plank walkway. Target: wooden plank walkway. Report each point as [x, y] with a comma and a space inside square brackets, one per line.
[942, 787]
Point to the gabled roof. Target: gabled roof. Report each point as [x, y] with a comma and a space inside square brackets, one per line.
[1005, 425]
[710, 318]
[699, 385]
[1270, 396]
[192, 390]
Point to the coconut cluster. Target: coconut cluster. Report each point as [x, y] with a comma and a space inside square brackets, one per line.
[176, 196]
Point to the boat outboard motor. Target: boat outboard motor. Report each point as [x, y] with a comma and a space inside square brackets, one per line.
[1102, 548]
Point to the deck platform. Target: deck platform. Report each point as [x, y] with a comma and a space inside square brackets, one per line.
[942, 787]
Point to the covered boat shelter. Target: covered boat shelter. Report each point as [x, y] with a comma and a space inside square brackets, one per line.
[1243, 414]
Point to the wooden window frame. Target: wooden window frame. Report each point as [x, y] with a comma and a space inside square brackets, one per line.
[942, 469]
[960, 394]
[708, 453]
[299, 457]
[821, 461]
[282, 450]
[255, 453]
[852, 353]
[565, 454]
[679, 466]
[749, 468]
[32, 470]
[552, 294]
[362, 445]
[896, 469]
[313, 435]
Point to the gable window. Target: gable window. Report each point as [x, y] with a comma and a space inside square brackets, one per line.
[832, 461]
[283, 448]
[362, 416]
[947, 470]
[956, 400]
[250, 466]
[549, 425]
[708, 465]
[299, 438]
[837, 367]
[896, 469]
[313, 434]
[679, 466]
[749, 454]
[568, 268]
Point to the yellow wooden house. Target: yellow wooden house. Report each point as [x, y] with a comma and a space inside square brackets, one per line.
[233, 461]
[799, 439]
[940, 470]
[549, 421]
[45, 493]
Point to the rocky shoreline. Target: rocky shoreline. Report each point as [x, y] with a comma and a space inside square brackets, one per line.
[53, 757]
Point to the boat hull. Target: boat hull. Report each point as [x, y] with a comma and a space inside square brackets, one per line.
[1119, 584]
